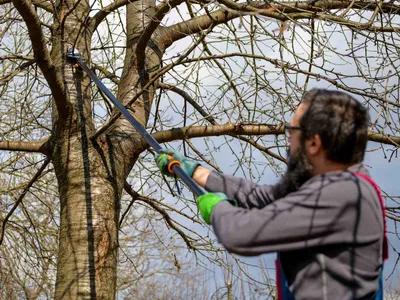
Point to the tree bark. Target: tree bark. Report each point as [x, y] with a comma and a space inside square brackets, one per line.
[124, 138]
[88, 239]
[91, 174]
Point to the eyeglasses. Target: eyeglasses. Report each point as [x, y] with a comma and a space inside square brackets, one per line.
[288, 130]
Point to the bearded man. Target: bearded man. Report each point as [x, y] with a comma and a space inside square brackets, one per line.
[325, 217]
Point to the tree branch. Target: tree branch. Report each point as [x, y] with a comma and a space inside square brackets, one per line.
[17, 57]
[245, 129]
[286, 65]
[189, 99]
[217, 130]
[21, 197]
[151, 203]
[114, 78]
[43, 4]
[42, 146]
[384, 138]
[196, 25]
[279, 11]
[13, 73]
[42, 56]
[276, 9]
[153, 79]
[105, 11]
[211, 119]
[162, 10]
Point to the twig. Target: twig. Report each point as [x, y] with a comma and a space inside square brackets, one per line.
[167, 218]
[21, 197]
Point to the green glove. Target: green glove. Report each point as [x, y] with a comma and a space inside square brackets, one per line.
[208, 201]
[168, 156]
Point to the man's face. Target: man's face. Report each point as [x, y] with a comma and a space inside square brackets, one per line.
[299, 168]
[294, 138]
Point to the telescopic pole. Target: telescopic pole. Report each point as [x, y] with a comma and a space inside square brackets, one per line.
[76, 58]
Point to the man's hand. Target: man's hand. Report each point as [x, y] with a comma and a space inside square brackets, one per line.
[208, 201]
[168, 157]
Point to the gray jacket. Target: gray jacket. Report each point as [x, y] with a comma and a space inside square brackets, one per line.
[329, 232]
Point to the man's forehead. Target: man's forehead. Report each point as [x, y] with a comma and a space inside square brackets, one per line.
[301, 109]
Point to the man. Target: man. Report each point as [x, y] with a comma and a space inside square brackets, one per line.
[324, 216]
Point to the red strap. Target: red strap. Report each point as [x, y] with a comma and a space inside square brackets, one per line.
[378, 191]
[278, 279]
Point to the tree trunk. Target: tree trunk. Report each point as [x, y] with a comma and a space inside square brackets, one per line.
[88, 240]
[87, 257]
[91, 174]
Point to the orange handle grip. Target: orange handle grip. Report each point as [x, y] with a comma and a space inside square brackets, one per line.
[172, 163]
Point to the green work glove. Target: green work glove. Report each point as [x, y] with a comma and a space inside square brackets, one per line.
[208, 201]
[168, 156]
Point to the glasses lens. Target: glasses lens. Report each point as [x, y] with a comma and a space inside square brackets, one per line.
[287, 132]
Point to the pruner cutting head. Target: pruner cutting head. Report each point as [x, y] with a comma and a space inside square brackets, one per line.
[73, 55]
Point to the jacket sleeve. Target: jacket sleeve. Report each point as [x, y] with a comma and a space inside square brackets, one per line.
[320, 213]
[248, 194]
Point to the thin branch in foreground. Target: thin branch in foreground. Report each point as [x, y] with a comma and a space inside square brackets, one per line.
[151, 203]
[21, 197]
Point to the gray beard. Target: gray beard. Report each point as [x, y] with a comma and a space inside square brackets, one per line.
[299, 170]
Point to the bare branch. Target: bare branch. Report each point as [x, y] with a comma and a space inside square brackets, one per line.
[103, 13]
[190, 100]
[285, 65]
[154, 79]
[42, 146]
[163, 9]
[211, 119]
[384, 138]
[21, 197]
[217, 130]
[152, 204]
[42, 55]
[196, 25]
[43, 4]
[13, 73]
[246, 129]
[17, 57]
[202, 156]
[114, 78]
[274, 10]
[282, 12]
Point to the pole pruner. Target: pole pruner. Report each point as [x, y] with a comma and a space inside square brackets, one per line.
[75, 58]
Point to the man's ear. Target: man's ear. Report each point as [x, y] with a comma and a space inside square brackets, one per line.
[314, 145]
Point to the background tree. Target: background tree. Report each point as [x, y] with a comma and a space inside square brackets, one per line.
[77, 181]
